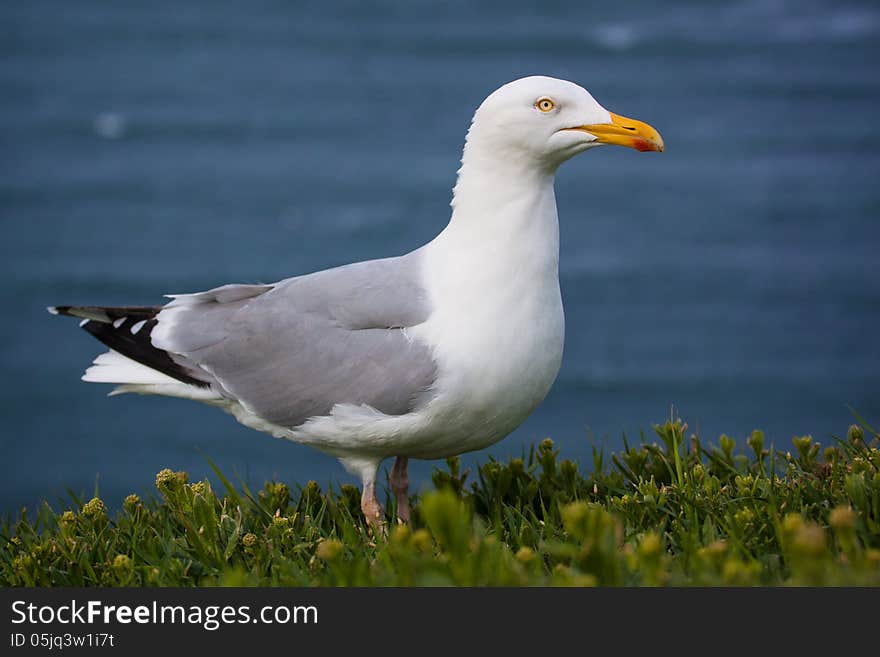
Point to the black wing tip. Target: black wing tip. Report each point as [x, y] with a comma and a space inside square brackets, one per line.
[126, 329]
[105, 314]
[138, 347]
[73, 311]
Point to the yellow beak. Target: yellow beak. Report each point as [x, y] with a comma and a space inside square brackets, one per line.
[625, 132]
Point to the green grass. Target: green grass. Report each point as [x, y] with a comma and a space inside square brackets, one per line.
[669, 512]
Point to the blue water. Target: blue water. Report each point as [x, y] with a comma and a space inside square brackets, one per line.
[156, 147]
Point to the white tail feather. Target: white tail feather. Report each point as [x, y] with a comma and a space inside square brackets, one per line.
[113, 367]
[176, 389]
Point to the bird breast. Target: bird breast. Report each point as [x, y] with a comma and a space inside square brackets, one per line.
[497, 330]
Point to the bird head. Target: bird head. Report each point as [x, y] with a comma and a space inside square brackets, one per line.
[550, 120]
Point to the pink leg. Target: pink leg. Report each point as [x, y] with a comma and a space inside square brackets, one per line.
[400, 486]
[366, 469]
[371, 507]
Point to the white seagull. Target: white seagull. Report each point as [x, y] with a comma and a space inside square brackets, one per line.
[441, 351]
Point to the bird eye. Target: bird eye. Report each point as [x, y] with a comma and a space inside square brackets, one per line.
[545, 104]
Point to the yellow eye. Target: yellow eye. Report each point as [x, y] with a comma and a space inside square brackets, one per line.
[545, 104]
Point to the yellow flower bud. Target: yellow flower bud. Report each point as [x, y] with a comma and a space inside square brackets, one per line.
[329, 549]
[121, 562]
[525, 555]
[842, 518]
[94, 509]
[131, 503]
[422, 540]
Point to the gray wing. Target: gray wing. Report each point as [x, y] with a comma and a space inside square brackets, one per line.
[292, 350]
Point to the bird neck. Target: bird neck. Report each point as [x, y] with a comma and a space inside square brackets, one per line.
[503, 213]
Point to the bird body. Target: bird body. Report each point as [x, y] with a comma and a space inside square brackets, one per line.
[440, 351]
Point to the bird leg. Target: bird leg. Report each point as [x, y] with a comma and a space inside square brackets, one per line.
[366, 468]
[400, 486]
[371, 507]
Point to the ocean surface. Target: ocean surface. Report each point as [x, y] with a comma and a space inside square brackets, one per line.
[159, 147]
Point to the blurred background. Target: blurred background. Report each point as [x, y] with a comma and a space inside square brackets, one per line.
[159, 147]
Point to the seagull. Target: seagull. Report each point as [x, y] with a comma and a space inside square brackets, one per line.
[441, 351]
